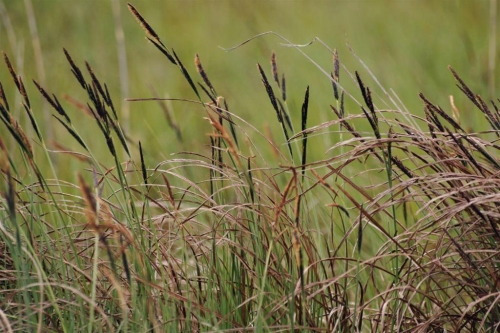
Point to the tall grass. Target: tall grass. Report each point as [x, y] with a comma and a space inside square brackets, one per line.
[394, 230]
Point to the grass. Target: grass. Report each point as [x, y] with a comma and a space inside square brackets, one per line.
[394, 229]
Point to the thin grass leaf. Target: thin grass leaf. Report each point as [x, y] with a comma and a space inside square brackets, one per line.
[251, 188]
[372, 122]
[33, 122]
[209, 94]
[231, 124]
[27, 108]
[10, 198]
[143, 165]
[285, 115]
[305, 108]
[103, 125]
[186, 74]
[163, 50]
[3, 99]
[211, 170]
[72, 132]
[54, 102]
[168, 115]
[125, 264]
[109, 101]
[360, 233]
[121, 136]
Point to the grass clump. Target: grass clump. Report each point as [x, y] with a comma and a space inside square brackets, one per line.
[394, 230]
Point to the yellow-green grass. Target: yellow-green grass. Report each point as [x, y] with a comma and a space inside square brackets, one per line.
[408, 45]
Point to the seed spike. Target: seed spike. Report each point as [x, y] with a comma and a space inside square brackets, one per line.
[203, 74]
[144, 24]
[274, 67]
[75, 70]
[336, 73]
[11, 71]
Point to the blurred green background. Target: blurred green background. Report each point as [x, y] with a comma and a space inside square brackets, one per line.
[406, 44]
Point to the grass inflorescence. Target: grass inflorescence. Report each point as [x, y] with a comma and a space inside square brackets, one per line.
[394, 230]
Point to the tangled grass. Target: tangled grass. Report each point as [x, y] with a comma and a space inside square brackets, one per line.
[395, 232]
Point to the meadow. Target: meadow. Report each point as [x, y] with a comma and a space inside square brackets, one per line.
[251, 166]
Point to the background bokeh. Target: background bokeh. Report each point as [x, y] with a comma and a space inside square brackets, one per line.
[406, 44]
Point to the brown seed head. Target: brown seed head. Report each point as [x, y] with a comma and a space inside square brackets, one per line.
[274, 67]
[144, 24]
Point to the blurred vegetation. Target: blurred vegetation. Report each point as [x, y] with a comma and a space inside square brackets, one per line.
[407, 45]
